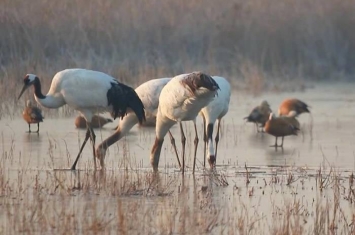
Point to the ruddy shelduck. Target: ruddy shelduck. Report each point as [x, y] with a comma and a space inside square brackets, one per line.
[97, 121]
[296, 105]
[32, 115]
[279, 127]
[260, 115]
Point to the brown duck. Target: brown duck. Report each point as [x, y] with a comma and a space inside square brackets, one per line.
[296, 105]
[291, 119]
[280, 127]
[260, 115]
[97, 121]
[32, 115]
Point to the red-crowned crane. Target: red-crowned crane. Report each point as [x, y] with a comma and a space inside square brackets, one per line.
[149, 93]
[88, 92]
[213, 112]
[181, 100]
[32, 115]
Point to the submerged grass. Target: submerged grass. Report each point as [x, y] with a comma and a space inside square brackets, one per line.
[133, 200]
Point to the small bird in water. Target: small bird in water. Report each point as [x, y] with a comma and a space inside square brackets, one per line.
[260, 115]
[97, 121]
[296, 105]
[279, 127]
[32, 115]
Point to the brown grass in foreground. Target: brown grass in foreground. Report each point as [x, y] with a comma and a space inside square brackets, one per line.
[134, 200]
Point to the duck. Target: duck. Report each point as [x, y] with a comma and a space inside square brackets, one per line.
[259, 115]
[293, 104]
[280, 127]
[97, 121]
[32, 115]
[291, 118]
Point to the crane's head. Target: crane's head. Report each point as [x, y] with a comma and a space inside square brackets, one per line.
[199, 80]
[28, 81]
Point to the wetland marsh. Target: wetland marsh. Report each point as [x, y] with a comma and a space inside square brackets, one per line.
[306, 188]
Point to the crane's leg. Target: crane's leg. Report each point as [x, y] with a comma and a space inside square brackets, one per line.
[183, 141]
[204, 140]
[172, 140]
[217, 139]
[196, 144]
[93, 138]
[29, 128]
[87, 136]
[37, 127]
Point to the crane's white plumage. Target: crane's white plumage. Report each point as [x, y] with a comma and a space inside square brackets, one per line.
[213, 112]
[88, 92]
[149, 93]
[181, 100]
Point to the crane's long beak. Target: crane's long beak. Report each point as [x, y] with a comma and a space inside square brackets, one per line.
[23, 90]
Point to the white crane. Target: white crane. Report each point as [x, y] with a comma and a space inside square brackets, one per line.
[181, 100]
[213, 112]
[149, 93]
[88, 92]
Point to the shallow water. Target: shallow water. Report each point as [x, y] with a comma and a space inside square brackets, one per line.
[326, 140]
[327, 136]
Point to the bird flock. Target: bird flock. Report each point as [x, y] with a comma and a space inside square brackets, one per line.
[161, 103]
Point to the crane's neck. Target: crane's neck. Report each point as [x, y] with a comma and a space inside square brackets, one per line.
[209, 139]
[38, 90]
[48, 101]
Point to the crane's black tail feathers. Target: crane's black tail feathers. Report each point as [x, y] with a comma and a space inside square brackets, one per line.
[121, 97]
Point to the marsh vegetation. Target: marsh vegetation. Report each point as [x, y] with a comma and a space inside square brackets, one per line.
[307, 188]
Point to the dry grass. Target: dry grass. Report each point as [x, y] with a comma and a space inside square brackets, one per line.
[133, 200]
[138, 40]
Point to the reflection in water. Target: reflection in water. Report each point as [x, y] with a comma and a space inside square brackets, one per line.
[279, 156]
[259, 139]
[32, 138]
[32, 146]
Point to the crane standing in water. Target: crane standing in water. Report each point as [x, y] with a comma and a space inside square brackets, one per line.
[149, 93]
[88, 92]
[181, 100]
[213, 112]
